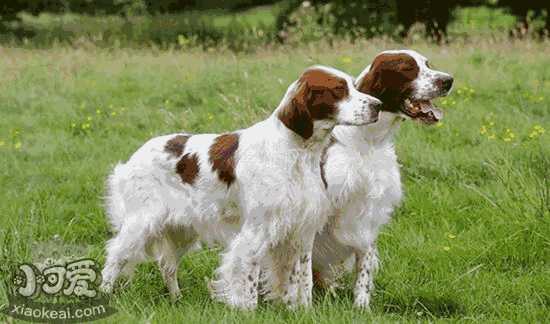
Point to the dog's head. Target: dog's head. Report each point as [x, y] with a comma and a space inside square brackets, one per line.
[406, 84]
[322, 98]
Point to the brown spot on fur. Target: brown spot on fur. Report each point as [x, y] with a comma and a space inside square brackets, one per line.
[188, 168]
[176, 145]
[390, 79]
[315, 98]
[222, 156]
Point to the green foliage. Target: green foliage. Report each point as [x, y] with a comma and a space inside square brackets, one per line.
[207, 29]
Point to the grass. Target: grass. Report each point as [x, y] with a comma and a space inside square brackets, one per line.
[470, 242]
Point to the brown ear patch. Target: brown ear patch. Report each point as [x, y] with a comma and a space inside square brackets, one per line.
[295, 115]
[188, 168]
[222, 156]
[318, 91]
[390, 78]
[176, 145]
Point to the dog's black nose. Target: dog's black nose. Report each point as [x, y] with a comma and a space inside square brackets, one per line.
[447, 83]
[377, 105]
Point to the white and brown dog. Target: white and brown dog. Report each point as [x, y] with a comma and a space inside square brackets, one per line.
[258, 188]
[360, 166]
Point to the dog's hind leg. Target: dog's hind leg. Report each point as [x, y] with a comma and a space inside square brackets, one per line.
[127, 248]
[167, 261]
[120, 251]
[167, 251]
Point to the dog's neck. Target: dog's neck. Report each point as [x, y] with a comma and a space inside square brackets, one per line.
[368, 137]
[315, 144]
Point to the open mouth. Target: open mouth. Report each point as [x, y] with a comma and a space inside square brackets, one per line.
[422, 110]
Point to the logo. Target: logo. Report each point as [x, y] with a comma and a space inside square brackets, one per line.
[56, 291]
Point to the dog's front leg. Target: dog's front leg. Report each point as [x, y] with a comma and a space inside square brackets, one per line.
[367, 263]
[292, 264]
[238, 274]
[306, 274]
[283, 273]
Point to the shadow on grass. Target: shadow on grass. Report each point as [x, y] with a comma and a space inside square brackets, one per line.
[423, 306]
[420, 304]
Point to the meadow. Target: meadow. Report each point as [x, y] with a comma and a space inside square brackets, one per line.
[471, 241]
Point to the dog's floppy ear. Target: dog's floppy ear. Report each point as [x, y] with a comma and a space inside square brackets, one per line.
[371, 83]
[296, 115]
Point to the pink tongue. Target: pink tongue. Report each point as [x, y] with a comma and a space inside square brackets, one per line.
[426, 108]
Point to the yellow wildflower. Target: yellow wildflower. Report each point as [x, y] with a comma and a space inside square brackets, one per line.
[346, 59]
[538, 129]
[113, 113]
[483, 130]
[17, 145]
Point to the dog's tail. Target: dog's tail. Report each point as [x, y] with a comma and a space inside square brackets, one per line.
[114, 200]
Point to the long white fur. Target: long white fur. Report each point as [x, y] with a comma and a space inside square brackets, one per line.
[364, 184]
[276, 205]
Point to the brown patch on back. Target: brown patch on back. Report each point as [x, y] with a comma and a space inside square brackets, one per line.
[318, 91]
[390, 79]
[176, 145]
[188, 168]
[222, 156]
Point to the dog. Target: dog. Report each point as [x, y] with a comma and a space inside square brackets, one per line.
[361, 171]
[257, 190]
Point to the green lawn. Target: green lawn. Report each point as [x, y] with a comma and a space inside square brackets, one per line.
[470, 242]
